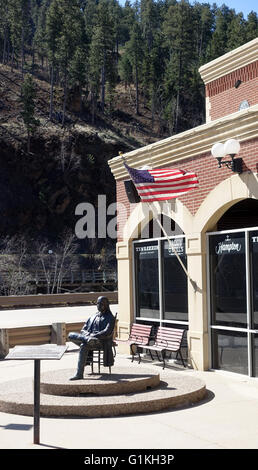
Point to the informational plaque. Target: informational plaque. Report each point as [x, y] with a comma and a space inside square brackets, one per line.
[37, 353]
[43, 351]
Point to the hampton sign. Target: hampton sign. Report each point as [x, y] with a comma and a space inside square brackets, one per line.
[229, 246]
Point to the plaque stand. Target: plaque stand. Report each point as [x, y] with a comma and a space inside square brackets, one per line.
[36, 413]
[37, 353]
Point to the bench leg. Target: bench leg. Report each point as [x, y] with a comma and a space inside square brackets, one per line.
[132, 352]
[179, 352]
[139, 355]
[163, 358]
[152, 358]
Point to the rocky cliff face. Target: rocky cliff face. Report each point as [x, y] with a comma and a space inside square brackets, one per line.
[40, 190]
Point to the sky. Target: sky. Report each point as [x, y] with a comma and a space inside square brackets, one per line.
[244, 6]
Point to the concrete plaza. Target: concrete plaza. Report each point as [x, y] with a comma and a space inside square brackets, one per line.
[227, 419]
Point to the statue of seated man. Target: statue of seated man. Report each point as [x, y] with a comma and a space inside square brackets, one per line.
[97, 332]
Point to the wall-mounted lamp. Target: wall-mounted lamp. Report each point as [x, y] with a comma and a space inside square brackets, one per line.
[232, 148]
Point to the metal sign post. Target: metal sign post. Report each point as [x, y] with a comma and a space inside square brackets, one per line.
[36, 401]
[36, 353]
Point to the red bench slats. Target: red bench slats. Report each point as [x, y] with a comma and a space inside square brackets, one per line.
[167, 339]
[139, 335]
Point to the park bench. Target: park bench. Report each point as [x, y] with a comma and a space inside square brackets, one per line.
[166, 340]
[139, 336]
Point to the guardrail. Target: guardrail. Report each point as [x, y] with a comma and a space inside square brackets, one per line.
[57, 333]
[39, 300]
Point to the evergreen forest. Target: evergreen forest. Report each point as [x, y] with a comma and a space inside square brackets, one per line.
[88, 47]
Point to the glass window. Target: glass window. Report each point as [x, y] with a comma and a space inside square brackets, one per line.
[228, 279]
[147, 279]
[254, 271]
[255, 354]
[175, 281]
[229, 351]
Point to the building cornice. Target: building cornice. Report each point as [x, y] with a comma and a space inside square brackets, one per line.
[229, 62]
[241, 125]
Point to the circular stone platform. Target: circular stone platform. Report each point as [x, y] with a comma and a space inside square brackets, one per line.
[176, 389]
[118, 383]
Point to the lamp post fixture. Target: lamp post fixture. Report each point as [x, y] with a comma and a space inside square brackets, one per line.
[232, 148]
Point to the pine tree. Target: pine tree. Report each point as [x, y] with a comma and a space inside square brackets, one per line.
[115, 12]
[102, 56]
[149, 25]
[251, 26]
[219, 41]
[69, 38]
[204, 22]
[127, 21]
[28, 95]
[95, 70]
[125, 70]
[39, 40]
[19, 17]
[77, 70]
[236, 32]
[180, 37]
[156, 74]
[53, 29]
[90, 17]
[149, 21]
[134, 50]
[4, 28]
[64, 33]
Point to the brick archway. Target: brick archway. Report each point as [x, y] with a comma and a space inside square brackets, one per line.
[222, 197]
[141, 216]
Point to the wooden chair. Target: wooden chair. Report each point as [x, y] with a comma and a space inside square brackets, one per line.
[97, 353]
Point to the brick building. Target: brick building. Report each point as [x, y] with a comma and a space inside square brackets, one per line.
[215, 228]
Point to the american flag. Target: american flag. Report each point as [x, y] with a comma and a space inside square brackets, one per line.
[160, 185]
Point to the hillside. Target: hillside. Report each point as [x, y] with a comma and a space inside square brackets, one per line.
[66, 165]
[121, 125]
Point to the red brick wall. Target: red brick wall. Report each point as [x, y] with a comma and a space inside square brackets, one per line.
[225, 98]
[208, 174]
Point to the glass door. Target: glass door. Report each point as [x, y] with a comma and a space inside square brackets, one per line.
[233, 300]
[227, 254]
[253, 242]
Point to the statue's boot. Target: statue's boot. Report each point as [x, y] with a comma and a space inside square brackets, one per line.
[81, 364]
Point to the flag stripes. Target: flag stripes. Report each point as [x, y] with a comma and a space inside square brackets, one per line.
[162, 184]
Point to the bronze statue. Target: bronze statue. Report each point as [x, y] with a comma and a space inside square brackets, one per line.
[97, 332]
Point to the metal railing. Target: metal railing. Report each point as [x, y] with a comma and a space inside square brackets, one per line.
[83, 298]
